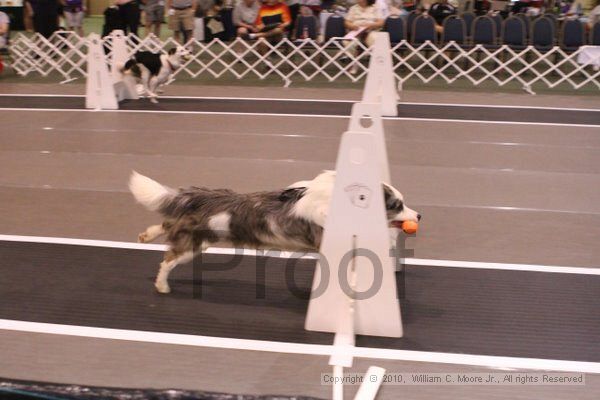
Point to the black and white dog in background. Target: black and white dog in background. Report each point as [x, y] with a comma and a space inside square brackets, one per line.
[155, 69]
[288, 219]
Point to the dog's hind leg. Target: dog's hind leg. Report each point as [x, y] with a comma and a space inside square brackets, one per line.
[152, 86]
[145, 78]
[171, 260]
[151, 233]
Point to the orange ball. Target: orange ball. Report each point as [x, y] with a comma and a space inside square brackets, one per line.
[410, 227]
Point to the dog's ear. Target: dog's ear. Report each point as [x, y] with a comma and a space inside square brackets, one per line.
[172, 51]
[293, 194]
[392, 202]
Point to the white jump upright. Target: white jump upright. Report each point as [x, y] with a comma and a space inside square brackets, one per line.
[125, 85]
[356, 238]
[381, 86]
[360, 296]
[354, 287]
[99, 90]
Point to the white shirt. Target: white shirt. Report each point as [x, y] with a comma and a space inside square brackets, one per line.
[384, 8]
[4, 20]
[362, 16]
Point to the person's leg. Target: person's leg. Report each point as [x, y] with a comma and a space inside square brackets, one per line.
[69, 21]
[187, 24]
[74, 21]
[241, 31]
[294, 11]
[369, 39]
[123, 17]
[227, 20]
[187, 35]
[174, 23]
[134, 17]
[151, 17]
[80, 16]
[147, 21]
[158, 18]
[270, 34]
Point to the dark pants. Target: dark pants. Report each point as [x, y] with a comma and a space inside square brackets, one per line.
[130, 17]
[227, 19]
[294, 10]
[45, 18]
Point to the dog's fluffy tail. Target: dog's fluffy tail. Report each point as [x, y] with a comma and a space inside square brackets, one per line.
[150, 193]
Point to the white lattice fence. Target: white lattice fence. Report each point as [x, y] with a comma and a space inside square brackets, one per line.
[64, 53]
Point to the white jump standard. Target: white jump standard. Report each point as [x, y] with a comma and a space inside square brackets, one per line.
[104, 90]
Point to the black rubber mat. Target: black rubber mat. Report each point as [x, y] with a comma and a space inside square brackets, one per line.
[492, 312]
[21, 390]
[242, 106]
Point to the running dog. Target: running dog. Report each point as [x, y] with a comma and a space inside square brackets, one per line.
[155, 69]
[288, 219]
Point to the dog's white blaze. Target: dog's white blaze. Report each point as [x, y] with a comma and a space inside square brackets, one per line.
[148, 192]
[314, 205]
[220, 223]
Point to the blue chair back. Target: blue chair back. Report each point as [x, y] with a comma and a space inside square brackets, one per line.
[394, 25]
[410, 22]
[595, 34]
[308, 25]
[572, 35]
[334, 27]
[498, 22]
[513, 32]
[526, 21]
[484, 30]
[423, 29]
[455, 30]
[468, 17]
[553, 18]
[543, 33]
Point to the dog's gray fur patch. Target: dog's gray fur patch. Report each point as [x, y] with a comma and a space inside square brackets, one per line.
[257, 220]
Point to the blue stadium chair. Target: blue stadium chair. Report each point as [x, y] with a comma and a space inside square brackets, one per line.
[553, 18]
[334, 27]
[308, 25]
[484, 32]
[498, 22]
[468, 17]
[543, 33]
[394, 25]
[423, 30]
[455, 30]
[513, 33]
[526, 21]
[595, 34]
[410, 21]
[572, 36]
